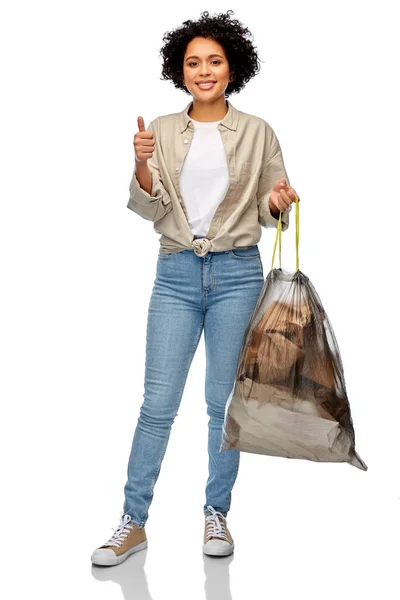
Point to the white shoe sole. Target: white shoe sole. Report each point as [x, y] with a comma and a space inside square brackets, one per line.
[222, 551]
[107, 560]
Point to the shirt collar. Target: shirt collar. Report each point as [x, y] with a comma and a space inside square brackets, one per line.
[230, 120]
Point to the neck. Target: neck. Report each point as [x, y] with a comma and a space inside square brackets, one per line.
[208, 111]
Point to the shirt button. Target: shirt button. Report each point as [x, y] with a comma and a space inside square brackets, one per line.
[185, 141]
[177, 169]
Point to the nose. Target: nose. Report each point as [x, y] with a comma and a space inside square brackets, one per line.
[204, 70]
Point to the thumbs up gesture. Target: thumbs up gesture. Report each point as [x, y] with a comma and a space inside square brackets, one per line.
[143, 142]
[281, 196]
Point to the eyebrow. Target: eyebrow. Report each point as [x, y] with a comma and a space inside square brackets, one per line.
[209, 56]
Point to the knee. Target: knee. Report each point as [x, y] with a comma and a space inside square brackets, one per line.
[215, 410]
[155, 415]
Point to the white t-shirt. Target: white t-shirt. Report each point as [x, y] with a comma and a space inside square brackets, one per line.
[204, 177]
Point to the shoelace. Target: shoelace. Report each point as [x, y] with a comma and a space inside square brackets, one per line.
[215, 527]
[121, 532]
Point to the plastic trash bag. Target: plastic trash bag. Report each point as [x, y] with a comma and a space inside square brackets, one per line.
[289, 398]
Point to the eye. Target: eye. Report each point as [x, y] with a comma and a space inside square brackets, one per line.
[214, 61]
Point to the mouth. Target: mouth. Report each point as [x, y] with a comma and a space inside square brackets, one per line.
[206, 85]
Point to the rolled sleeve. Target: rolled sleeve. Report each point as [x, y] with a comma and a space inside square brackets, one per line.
[274, 169]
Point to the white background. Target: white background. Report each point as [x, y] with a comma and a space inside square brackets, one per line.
[77, 269]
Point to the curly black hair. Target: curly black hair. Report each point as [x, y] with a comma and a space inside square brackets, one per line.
[231, 34]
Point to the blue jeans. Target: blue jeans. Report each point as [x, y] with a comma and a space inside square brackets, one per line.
[218, 293]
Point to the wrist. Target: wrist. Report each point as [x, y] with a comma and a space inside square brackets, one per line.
[274, 211]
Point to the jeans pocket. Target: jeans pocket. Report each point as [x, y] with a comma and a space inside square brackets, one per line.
[249, 253]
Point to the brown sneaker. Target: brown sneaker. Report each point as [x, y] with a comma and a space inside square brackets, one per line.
[127, 539]
[217, 538]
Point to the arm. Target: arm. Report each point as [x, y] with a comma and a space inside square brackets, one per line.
[273, 169]
[158, 203]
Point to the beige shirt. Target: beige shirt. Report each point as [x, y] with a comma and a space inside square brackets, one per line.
[255, 162]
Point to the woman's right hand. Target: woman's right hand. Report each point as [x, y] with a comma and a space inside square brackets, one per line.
[143, 142]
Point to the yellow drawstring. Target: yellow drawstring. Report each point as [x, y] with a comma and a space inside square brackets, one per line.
[279, 234]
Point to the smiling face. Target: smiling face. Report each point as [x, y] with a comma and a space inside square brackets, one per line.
[205, 60]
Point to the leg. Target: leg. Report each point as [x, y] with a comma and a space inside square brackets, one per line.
[175, 323]
[238, 281]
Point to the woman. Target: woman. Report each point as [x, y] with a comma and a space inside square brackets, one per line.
[208, 177]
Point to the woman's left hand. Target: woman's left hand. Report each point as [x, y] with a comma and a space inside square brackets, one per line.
[281, 197]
